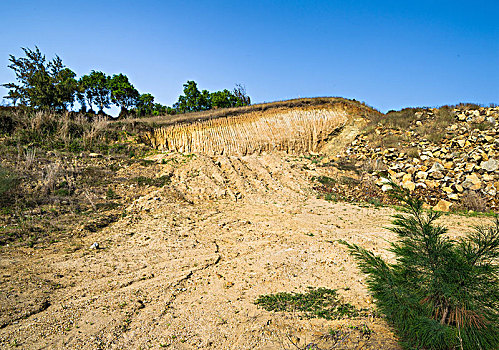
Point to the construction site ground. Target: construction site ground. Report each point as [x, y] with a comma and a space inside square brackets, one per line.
[184, 264]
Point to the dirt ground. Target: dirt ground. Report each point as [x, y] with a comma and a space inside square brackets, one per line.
[184, 265]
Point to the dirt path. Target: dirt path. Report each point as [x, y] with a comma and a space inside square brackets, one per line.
[184, 266]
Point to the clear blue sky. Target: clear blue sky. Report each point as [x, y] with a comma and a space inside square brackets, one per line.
[390, 54]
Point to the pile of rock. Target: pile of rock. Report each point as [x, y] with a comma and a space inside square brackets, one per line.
[464, 161]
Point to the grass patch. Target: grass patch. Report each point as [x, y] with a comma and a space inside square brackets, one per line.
[326, 181]
[152, 181]
[315, 303]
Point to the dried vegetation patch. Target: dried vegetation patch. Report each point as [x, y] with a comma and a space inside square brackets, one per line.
[61, 172]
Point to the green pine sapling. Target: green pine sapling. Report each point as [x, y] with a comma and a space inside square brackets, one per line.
[440, 293]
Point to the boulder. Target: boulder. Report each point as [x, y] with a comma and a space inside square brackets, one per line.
[472, 182]
[447, 189]
[411, 186]
[385, 188]
[406, 177]
[442, 205]
[437, 175]
[422, 175]
[490, 165]
[436, 167]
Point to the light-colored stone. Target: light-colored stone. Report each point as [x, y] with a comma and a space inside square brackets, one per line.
[406, 177]
[411, 186]
[437, 175]
[431, 183]
[437, 166]
[472, 182]
[422, 175]
[490, 165]
[385, 188]
[442, 205]
[448, 165]
[447, 189]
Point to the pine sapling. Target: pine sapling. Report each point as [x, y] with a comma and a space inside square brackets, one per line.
[439, 293]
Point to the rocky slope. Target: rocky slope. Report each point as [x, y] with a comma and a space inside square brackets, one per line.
[452, 165]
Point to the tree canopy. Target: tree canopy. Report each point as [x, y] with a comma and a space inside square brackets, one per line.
[194, 100]
[123, 93]
[97, 89]
[42, 84]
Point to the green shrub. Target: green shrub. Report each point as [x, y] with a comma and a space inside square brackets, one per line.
[8, 182]
[440, 293]
[6, 122]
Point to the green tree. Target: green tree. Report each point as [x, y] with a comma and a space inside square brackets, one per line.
[41, 84]
[145, 105]
[439, 293]
[223, 99]
[85, 92]
[193, 100]
[159, 109]
[81, 97]
[97, 90]
[123, 93]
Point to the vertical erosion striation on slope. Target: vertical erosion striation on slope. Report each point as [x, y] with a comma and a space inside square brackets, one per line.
[288, 130]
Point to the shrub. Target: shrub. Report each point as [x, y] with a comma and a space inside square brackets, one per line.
[6, 122]
[474, 201]
[400, 119]
[440, 293]
[8, 182]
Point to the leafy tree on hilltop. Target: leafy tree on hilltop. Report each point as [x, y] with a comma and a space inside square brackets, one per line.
[97, 90]
[193, 100]
[81, 97]
[41, 84]
[440, 293]
[123, 93]
[224, 99]
[145, 104]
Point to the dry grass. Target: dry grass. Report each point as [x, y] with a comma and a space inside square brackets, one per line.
[474, 201]
[354, 107]
[370, 166]
[390, 140]
[434, 129]
[431, 125]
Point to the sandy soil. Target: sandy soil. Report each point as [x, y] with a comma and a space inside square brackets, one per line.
[184, 265]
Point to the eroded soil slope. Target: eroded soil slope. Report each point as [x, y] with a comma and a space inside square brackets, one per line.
[184, 265]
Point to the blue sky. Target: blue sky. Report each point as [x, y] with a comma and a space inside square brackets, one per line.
[390, 54]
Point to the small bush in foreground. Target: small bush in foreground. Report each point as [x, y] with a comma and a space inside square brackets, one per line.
[320, 302]
[440, 293]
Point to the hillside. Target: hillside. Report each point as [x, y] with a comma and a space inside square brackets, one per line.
[116, 244]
